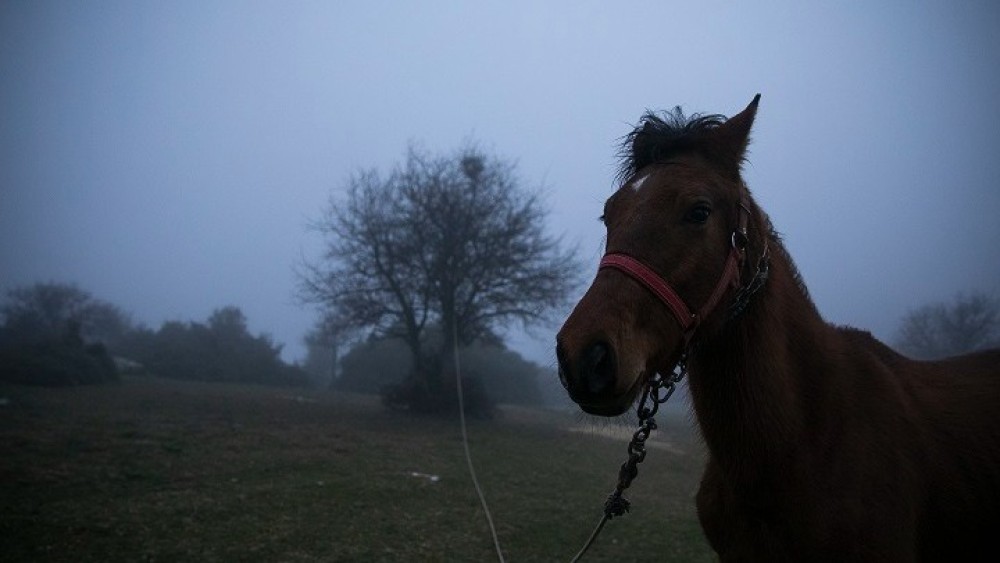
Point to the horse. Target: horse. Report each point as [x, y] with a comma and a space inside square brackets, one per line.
[823, 444]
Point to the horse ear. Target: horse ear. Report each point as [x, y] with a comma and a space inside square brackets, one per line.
[733, 136]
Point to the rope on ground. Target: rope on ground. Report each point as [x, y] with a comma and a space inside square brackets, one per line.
[593, 537]
[465, 444]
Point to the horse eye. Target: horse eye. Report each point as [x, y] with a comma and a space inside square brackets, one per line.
[699, 214]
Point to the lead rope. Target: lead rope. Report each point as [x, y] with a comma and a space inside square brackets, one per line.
[659, 391]
[465, 444]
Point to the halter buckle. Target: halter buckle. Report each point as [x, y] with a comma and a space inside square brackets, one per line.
[739, 240]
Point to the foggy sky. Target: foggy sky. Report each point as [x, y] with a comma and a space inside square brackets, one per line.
[167, 156]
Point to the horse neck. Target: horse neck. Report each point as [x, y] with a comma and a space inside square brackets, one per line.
[745, 384]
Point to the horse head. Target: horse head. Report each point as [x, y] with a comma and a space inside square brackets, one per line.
[676, 246]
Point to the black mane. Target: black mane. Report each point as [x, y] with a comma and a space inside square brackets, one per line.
[659, 137]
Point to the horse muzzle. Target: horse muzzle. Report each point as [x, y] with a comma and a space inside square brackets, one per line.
[592, 379]
[611, 342]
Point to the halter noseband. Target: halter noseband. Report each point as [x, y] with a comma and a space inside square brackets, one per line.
[661, 289]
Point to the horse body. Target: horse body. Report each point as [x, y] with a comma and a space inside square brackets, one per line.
[844, 450]
[824, 444]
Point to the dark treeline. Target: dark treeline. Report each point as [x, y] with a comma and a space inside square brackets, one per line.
[220, 349]
[55, 334]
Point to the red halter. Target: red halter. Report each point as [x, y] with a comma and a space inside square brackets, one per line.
[661, 289]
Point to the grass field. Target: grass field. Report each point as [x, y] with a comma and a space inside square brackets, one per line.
[158, 470]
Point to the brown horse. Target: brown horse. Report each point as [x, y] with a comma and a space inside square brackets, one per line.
[823, 443]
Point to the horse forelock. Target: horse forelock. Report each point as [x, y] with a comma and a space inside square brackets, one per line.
[661, 136]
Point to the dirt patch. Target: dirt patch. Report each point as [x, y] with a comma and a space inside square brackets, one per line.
[624, 434]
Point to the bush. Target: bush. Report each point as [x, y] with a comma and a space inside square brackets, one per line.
[379, 364]
[373, 365]
[51, 364]
[411, 395]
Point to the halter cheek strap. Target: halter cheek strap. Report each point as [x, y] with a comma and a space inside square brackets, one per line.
[661, 289]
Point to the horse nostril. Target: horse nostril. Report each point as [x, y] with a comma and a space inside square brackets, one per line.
[592, 375]
[561, 358]
[562, 378]
[598, 368]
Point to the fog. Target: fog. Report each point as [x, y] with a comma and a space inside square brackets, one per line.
[168, 156]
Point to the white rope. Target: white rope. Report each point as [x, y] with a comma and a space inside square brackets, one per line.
[465, 444]
[591, 539]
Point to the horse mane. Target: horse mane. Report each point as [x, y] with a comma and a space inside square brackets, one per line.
[660, 136]
[778, 245]
[863, 340]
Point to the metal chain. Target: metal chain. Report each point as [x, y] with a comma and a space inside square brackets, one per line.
[657, 392]
[746, 292]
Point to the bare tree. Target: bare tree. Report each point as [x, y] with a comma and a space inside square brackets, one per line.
[369, 275]
[970, 322]
[450, 241]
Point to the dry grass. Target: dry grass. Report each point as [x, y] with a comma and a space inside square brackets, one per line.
[156, 470]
